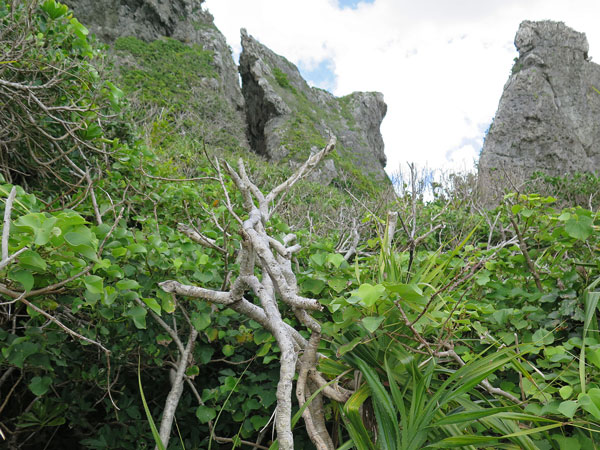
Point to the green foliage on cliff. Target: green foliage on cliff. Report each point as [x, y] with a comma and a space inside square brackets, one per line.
[282, 79]
[168, 70]
[309, 126]
[345, 111]
[174, 92]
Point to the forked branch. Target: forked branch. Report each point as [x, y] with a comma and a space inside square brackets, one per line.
[266, 273]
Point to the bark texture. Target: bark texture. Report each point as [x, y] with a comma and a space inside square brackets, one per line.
[266, 272]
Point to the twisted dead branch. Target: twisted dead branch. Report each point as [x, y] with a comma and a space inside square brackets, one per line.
[277, 282]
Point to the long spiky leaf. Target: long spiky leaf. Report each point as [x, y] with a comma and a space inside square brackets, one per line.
[590, 300]
[353, 420]
[385, 413]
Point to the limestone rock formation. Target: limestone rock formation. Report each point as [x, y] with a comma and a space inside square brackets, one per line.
[548, 118]
[286, 117]
[184, 20]
[276, 113]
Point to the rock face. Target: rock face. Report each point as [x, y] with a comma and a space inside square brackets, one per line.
[184, 20]
[548, 118]
[275, 113]
[287, 118]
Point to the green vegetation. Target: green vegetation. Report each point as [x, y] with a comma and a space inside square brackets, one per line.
[282, 79]
[50, 50]
[357, 182]
[168, 69]
[345, 111]
[448, 327]
[302, 136]
[174, 92]
[516, 66]
[304, 131]
[467, 301]
[578, 189]
[199, 25]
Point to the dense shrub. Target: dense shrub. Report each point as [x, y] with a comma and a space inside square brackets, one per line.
[56, 103]
[437, 298]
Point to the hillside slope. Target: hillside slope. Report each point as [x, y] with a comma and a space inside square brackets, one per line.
[173, 58]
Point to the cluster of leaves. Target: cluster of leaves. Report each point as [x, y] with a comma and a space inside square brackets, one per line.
[518, 313]
[558, 315]
[56, 106]
[400, 317]
[574, 189]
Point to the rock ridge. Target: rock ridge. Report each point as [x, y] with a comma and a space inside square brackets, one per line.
[275, 112]
[287, 118]
[548, 116]
[149, 20]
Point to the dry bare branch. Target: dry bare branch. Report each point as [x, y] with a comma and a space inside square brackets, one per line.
[199, 238]
[272, 259]
[6, 226]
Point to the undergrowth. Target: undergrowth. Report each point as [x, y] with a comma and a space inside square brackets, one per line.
[453, 326]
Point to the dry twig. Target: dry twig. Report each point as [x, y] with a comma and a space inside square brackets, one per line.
[273, 260]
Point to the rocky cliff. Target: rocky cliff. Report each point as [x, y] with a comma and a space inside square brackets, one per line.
[275, 112]
[548, 118]
[287, 118]
[171, 57]
[148, 20]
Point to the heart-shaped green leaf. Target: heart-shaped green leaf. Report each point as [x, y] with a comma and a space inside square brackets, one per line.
[369, 294]
[40, 385]
[372, 323]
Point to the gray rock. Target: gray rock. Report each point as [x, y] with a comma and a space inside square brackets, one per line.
[548, 118]
[368, 110]
[276, 113]
[146, 19]
[184, 20]
[286, 117]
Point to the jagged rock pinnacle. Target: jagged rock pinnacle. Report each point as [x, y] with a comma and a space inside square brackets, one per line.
[548, 118]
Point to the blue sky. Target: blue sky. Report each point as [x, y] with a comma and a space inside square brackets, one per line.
[353, 4]
[440, 65]
[321, 75]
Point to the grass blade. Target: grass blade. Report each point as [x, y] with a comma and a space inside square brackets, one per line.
[469, 416]
[461, 441]
[155, 433]
[298, 414]
[590, 300]
[354, 423]
[385, 413]
[534, 430]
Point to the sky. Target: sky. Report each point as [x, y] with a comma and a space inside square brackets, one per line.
[441, 65]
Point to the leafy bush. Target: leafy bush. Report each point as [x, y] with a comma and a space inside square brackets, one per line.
[578, 189]
[430, 321]
[452, 326]
[56, 105]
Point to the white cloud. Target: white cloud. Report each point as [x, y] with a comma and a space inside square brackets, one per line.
[441, 65]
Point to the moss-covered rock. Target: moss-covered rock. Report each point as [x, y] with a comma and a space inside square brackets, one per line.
[287, 119]
[172, 56]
